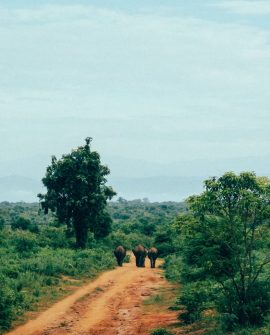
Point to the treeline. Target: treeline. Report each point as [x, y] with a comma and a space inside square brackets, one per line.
[10, 213]
[144, 222]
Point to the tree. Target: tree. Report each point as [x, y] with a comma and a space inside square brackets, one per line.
[77, 194]
[227, 241]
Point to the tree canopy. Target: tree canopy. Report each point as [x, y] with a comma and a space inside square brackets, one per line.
[227, 242]
[77, 192]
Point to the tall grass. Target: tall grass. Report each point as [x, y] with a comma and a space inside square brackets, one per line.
[33, 265]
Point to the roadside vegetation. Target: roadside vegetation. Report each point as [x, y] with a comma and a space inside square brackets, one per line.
[42, 264]
[39, 258]
[223, 256]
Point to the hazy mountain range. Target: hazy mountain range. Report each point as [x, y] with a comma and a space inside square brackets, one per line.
[132, 179]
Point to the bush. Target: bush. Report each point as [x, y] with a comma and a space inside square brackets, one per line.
[129, 241]
[25, 242]
[21, 223]
[164, 241]
[195, 298]
[254, 310]
[173, 267]
[54, 237]
[7, 300]
[2, 223]
[161, 331]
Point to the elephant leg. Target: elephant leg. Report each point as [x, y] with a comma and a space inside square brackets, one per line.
[154, 263]
[137, 261]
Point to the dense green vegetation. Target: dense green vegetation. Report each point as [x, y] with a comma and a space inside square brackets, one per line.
[149, 223]
[223, 256]
[216, 245]
[38, 255]
[38, 264]
[161, 331]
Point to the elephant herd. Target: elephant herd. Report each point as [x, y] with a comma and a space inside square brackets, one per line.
[140, 254]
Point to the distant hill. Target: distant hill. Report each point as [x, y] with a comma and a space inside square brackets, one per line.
[20, 188]
[132, 179]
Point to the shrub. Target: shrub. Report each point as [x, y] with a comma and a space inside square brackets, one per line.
[21, 223]
[161, 331]
[173, 267]
[195, 298]
[7, 301]
[164, 242]
[54, 237]
[254, 309]
[25, 242]
[2, 223]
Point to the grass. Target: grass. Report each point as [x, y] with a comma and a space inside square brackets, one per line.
[34, 275]
[164, 299]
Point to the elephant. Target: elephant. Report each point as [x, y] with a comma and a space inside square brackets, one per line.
[120, 254]
[140, 253]
[152, 255]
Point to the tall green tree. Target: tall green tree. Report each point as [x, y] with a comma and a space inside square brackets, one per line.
[77, 193]
[227, 241]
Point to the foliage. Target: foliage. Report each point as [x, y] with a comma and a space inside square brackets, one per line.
[55, 237]
[226, 241]
[7, 301]
[2, 223]
[21, 223]
[128, 240]
[25, 242]
[33, 265]
[173, 267]
[161, 331]
[77, 194]
[143, 222]
[164, 240]
[196, 297]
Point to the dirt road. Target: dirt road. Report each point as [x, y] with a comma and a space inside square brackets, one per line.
[110, 305]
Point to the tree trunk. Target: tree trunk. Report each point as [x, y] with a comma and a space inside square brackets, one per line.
[81, 232]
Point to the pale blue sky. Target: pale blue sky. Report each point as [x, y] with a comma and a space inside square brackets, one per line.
[160, 82]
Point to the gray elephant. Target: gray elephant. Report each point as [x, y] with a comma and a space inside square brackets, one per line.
[140, 252]
[120, 254]
[152, 255]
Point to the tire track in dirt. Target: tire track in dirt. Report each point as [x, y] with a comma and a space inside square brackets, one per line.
[111, 304]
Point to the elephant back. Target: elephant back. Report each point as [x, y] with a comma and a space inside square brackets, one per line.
[120, 250]
[153, 252]
[139, 249]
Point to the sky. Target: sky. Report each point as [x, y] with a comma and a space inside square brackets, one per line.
[165, 88]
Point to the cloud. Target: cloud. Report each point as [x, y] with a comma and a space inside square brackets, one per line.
[245, 7]
[146, 85]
